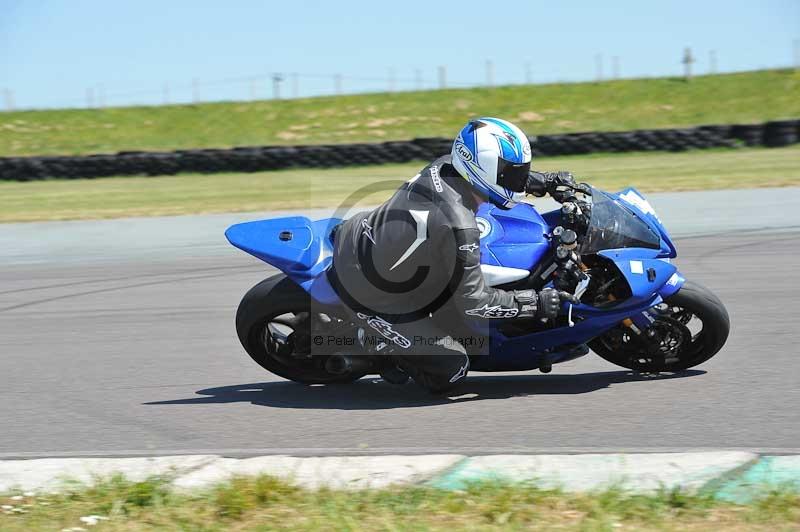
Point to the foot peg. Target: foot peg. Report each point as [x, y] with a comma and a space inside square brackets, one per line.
[579, 350]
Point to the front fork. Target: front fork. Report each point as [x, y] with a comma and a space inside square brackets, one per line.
[641, 323]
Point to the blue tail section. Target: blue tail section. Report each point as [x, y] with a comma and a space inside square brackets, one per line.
[295, 245]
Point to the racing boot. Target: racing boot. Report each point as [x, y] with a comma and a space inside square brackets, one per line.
[393, 374]
[438, 373]
[388, 369]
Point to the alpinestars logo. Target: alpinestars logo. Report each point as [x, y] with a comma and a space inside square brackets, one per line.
[495, 311]
[367, 232]
[460, 374]
[437, 181]
[385, 329]
[468, 247]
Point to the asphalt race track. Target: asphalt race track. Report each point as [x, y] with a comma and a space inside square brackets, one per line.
[117, 338]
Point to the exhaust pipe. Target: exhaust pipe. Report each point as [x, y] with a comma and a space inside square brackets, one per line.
[344, 364]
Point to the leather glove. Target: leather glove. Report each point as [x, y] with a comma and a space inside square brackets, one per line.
[540, 183]
[546, 304]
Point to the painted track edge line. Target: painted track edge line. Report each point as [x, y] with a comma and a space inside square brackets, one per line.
[411, 451]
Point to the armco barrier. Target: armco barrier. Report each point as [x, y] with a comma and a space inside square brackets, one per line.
[258, 158]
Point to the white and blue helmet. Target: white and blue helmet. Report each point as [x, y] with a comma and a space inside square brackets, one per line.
[495, 156]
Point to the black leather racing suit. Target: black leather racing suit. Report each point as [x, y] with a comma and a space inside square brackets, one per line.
[417, 256]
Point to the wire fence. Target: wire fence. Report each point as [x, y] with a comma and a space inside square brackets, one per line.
[272, 85]
[280, 85]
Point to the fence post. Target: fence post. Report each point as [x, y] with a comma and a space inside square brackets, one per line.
[252, 85]
[688, 59]
[442, 71]
[489, 73]
[598, 62]
[276, 85]
[101, 95]
[8, 96]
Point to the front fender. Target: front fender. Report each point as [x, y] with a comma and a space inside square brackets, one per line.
[672, 285]
[646, 275]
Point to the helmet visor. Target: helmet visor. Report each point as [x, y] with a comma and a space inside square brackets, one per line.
[512, 176]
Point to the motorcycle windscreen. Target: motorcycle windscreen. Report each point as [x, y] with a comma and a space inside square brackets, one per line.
[614, 226]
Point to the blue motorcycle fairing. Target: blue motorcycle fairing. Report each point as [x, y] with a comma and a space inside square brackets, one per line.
[513, 238]
[638, 267]
[635, 201]
[530, 351]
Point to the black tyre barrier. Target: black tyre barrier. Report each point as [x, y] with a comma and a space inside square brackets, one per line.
[781, 132]
[259, 158]
[750, 134]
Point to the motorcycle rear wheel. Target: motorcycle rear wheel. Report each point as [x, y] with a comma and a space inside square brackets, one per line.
[270, 318]
[692, 306]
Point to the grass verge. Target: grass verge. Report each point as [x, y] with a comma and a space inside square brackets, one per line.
[304, 189]
[265, 503]
[538, 109]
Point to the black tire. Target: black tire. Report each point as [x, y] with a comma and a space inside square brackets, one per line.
[269, 299]
[704, 306]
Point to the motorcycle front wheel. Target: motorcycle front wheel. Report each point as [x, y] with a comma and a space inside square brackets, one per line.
[690, 327]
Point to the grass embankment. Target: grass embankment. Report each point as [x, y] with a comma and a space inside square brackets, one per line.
[554, 108]
[266, 504]
[303, 189]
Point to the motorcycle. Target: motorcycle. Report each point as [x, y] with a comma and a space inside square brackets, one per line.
[609, 250]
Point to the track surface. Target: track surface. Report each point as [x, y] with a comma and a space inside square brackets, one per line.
[119, 352]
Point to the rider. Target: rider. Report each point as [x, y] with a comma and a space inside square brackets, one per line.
[410, 269]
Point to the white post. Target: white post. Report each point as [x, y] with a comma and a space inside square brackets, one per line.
[797, 54]
[489, 73]
[276, 85]
[442, 77]
[195, 90]
[8, 96]
[598, 61]
[688, 59]
[712, 62]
